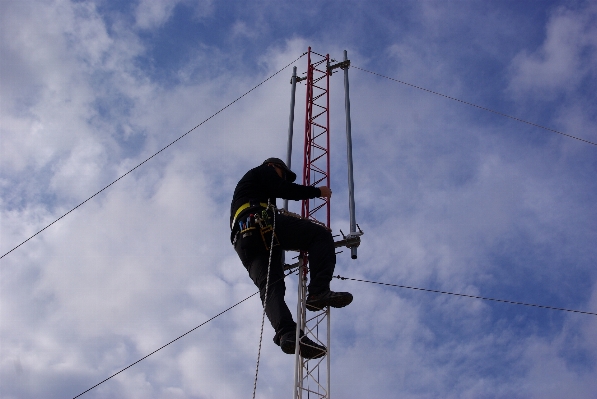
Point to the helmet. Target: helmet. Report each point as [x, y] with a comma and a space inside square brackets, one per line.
[290, 175]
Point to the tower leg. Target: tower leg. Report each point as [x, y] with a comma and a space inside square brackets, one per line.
[313, 376]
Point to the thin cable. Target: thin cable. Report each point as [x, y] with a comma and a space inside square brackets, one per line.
[188, 332]
[467, 296]
[341, 278]
[269, 264]
[127, 173]
[174, 340]
[476, 106]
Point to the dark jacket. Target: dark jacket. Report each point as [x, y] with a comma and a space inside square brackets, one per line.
[263, 182]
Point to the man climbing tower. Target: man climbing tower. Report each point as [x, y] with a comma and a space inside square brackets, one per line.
[252, 224]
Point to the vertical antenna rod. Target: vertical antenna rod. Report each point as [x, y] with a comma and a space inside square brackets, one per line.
[353, 223]
[290, 126]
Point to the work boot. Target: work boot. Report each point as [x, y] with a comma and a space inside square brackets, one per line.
[319, 301]
[308, 348]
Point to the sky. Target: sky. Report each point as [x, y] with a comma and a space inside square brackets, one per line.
[450, 197]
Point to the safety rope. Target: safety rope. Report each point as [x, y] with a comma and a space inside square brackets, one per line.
[269, 264]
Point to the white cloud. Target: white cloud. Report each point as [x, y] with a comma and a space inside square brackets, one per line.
[440, 195]
[240, 28]
[564, 59]
[64, 62]
[151, 14]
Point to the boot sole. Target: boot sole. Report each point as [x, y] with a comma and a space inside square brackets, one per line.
[312, 352]
[307, 351]
[288, 347]
[335, 302]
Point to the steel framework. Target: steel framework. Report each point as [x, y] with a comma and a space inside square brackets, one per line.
[312, 377]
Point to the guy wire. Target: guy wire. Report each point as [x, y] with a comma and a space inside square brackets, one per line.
[466, 295]
[158, 152]
[292, 271]
[176, 339]
[475, 105]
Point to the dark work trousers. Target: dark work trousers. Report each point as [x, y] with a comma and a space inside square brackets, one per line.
[293, 234]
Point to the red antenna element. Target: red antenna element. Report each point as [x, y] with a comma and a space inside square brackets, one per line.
[316, 164]
[313, 378]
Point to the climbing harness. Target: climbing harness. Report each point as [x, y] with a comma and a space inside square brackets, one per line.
[265, 217]
[258, 221]
[243, 207]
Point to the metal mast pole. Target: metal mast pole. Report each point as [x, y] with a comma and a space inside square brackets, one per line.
[353, 223]
[290, 125]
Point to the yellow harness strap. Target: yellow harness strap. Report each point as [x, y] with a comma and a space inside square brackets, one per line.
[241, 209]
